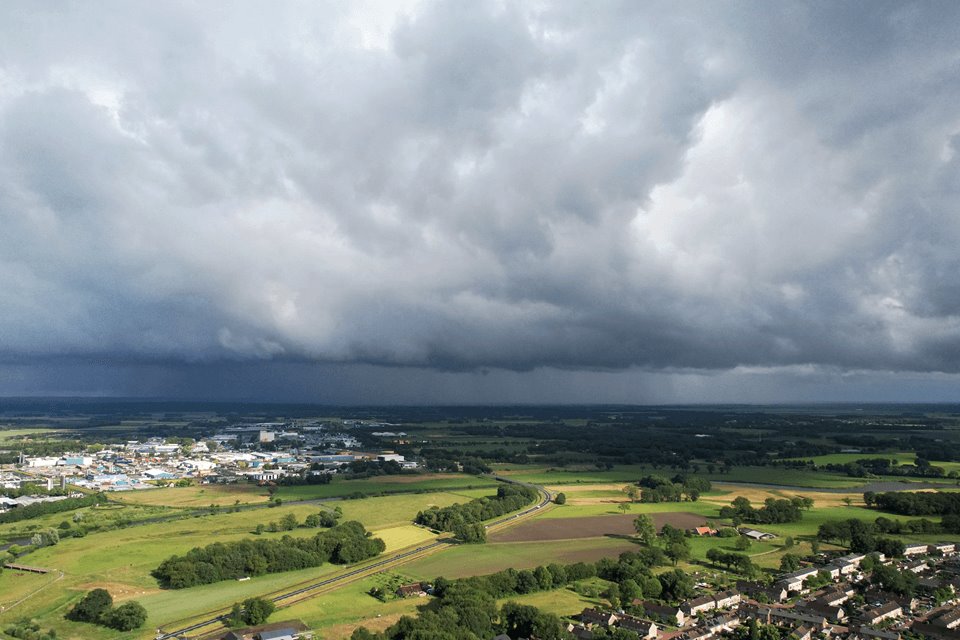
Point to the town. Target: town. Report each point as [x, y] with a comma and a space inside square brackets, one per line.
[257, 453]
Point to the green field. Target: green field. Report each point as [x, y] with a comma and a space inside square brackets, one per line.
[121, 560]
[385, 485]
[9, 435]
[100, 517]
[623, 473]
[196, 495]
[479, 559]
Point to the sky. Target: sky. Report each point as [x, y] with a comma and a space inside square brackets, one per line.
[481, 202]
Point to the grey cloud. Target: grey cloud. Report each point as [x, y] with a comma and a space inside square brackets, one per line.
[618, 186]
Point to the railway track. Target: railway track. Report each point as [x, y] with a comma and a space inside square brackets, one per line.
[291, 597]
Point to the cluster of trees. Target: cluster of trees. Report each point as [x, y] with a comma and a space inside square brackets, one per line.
[45, 538]
[342, 544]
[289, 522]
[889, 578]
[868, 467]
[631, 576]
[29, 630]
[46, 508]
[676, 546]
[465, 613]
[773, 511]
[915, 503]
[510, 497]
[860, 536]
[438, 459]
[97, 607]
[467, 606]
[654, 488]
[305, 477]
[252, 612]
[739, 562]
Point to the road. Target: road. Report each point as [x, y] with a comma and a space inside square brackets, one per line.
[370, 569]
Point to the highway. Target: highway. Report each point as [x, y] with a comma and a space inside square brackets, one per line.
[368, 569]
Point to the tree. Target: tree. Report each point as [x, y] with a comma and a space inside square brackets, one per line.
[92, 606]
[474, 533]
[561, 498]
[788, 542]
[288, 522]
[259, 529]
[624, 506]
[126, 617]
[742, 543]
[789, 562]
[677, 551]
[235, 619]
[312, 520]
[256, 611]
[646, 530]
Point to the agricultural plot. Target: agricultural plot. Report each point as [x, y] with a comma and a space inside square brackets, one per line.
[196, 496]
[385, 485]
[339, 612]
[471, 560]
[590, 527]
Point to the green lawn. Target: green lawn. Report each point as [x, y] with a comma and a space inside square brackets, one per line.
[562, 602]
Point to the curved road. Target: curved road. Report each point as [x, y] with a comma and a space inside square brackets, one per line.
[381, 564]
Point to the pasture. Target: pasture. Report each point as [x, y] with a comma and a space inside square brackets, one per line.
[195, 496]
[385, 485]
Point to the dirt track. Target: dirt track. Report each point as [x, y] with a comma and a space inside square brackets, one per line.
[590, 527]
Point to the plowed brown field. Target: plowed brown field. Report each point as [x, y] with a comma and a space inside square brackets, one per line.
[590, 527]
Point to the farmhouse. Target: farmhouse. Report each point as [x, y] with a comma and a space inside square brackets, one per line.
[753, 534]
[286, 633]
[411, 590]
[703, 531]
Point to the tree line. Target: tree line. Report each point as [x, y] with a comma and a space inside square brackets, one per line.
[97, 607]
[653, 488]
[773, 511]
[915, 503]
[510, 497]
[44, 508]
[343, 544]
[861, 536]
[467, 607]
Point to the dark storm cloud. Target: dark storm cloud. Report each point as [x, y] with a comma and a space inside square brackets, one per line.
[461, 185]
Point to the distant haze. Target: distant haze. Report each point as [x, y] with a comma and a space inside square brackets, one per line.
[468, 201]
